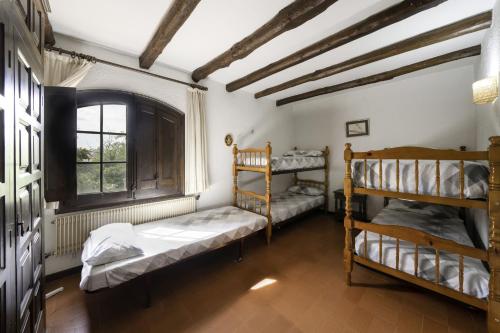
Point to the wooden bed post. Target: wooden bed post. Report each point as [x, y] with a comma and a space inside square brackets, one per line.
[235, 176]
[327, 176]
[348, 220]
[269, 230]
[494, 236]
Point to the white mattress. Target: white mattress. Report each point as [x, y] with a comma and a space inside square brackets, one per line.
[170, 240]
[284, 163]
[437, 220]
[287, 205]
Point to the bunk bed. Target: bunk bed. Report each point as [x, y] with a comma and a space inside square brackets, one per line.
[173, 240]
[419, 236]
[281, 207]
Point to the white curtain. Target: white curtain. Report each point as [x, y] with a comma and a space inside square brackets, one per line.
[196, 143]
[64, 71]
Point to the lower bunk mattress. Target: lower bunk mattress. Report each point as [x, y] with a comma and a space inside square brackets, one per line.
[439, 221]
[287, 205]
[167, 241]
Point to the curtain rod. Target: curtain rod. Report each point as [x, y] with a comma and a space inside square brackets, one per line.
[102, 61]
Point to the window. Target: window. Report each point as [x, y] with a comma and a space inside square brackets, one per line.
[101, 149]
[125, 148]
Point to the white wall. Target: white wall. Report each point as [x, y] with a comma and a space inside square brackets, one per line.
[237, 113]
[431, 108]
[488, 116]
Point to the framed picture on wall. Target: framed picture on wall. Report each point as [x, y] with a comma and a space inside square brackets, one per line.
[357, 128]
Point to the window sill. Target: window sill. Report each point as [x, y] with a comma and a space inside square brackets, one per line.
[121, 203]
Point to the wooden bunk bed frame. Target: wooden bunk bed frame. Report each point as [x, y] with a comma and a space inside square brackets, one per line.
[250, 159]
[419, 238]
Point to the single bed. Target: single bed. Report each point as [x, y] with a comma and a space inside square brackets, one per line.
[286, 205]
[441, 221]
[475, 177]
[168, 241]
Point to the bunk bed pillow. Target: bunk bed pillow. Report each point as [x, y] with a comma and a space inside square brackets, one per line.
[304, 153]
[109, 243]
[307, 190]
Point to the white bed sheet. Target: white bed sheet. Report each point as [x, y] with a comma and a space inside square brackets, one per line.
[167, 241]
[286, 205]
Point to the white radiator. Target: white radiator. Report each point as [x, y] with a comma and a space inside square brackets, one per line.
[73, 229]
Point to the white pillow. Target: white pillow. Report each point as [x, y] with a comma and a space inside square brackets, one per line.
[111, 242]
[307, 190]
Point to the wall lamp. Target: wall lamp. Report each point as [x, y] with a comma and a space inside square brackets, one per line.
[486, 90]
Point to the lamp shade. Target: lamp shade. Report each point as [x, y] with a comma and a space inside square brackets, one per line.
[486, 90]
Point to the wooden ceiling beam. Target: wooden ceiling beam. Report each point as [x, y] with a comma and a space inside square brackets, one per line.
[367, 26]
[290, 17]
[177, 14]
[462, 27]
[465, 53]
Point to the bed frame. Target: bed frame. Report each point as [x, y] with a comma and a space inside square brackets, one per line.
[491, 256]
[249, 159]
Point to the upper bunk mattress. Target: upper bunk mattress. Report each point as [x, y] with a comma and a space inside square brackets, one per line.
[287, 205]
[167, 241]
[439, 221]
[285, 163]
[475, 181]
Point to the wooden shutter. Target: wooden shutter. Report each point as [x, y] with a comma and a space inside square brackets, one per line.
[60, 143]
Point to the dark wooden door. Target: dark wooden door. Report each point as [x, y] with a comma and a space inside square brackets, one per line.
[7, 238]
[28, 190]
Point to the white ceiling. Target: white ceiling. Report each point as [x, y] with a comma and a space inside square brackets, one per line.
[215, 25]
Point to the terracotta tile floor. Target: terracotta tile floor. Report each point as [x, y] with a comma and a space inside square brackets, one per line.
[212, 294]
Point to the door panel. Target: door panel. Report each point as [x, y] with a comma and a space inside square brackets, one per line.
[23, 148]
[36, 205]
[25, 280]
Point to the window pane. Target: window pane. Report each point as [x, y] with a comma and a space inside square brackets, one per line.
[114, 118]
[88, 178]
[89, 118]
[115, 148]
[88, 147]
[114, 177]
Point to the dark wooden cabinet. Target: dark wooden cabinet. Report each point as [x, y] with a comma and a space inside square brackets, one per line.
[21, 167]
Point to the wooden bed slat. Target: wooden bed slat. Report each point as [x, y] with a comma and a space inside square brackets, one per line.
[422, 238]
[380, 248]
[461, 272]
[397, 176]
[462, 180]
[467, 203]
[438, 178]
[438, 261]
[397, 253]
[420, 153]
[416, 176]
[478, 303]
[366, 243]
[380, 174]
[416, 260]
